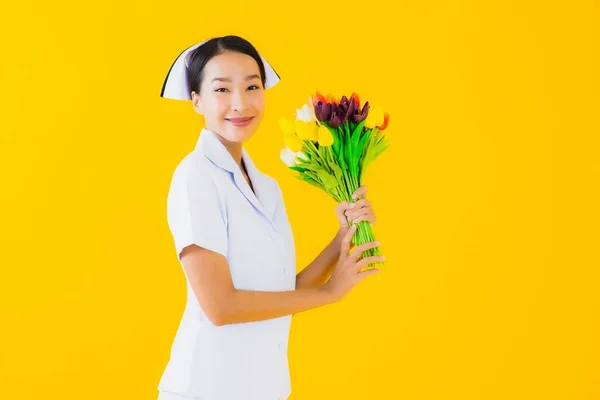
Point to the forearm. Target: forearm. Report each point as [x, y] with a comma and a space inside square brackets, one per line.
[249, 306]
[318, 271]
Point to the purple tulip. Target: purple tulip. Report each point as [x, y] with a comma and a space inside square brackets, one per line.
[350, 111]
[336, 120]
[358, 117]
[323, 111]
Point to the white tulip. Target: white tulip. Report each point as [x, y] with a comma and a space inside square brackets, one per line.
[290, 158]
[306, 113]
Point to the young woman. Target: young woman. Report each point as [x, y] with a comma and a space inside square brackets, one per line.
[234, 242]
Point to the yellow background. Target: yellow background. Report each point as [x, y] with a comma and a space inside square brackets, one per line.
[488, 200]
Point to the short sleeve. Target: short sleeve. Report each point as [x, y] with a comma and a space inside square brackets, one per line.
[194, 211]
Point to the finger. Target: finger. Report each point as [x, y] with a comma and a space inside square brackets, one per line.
[361, 248]
[359, 192]
[366, 262]
[362, 203]
[368, 218]
[369, 272]
[347, 240]
[340, 211]
[357, 206]
[344, 205]
[357, 213]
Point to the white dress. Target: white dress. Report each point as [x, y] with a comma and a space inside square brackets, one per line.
[211, 204]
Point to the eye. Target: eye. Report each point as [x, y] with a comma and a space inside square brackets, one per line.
[221, 90]
[253, 87]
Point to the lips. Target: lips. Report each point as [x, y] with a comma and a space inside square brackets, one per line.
[240, 121]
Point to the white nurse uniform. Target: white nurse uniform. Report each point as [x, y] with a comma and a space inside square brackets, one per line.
[210, 204]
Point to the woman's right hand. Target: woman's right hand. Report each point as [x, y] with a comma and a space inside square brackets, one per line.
[347, 271]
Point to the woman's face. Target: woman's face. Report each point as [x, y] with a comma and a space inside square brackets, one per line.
[231, 96]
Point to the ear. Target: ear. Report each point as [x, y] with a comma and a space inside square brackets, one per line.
[197, 104]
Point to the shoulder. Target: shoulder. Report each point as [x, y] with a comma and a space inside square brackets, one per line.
[193, 169]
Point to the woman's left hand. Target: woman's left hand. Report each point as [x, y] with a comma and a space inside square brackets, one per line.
[355, 212]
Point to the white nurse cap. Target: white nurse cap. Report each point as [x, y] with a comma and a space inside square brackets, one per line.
[176, 85]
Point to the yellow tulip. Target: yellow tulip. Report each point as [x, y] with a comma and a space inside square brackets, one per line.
[325, 136]
[287, 126]
[306, 130]
[293, 143]
[375, 117]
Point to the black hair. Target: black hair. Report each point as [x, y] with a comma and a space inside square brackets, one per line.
[214, 47]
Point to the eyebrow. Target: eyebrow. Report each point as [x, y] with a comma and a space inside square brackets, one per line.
[248, 78]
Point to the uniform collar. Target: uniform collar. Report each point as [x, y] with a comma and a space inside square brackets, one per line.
[264, 200]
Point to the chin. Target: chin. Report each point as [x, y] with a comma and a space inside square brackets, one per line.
[240, 134]
[236, 135]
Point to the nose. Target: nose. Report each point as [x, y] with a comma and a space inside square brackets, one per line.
[239, 101]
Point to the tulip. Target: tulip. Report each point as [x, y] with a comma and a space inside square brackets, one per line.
[306, 113]
[287, 126]
[318, 97]
[290, 158]
[306, 130]
[292, 142]
[322, 111]
[386, 121]
[350, 110]
[336, 120]
[325, 137]
[356, 99]
[332, 99]
[375, 118]
[358, 117]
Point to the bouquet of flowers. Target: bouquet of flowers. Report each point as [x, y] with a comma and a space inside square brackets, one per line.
[331, 143]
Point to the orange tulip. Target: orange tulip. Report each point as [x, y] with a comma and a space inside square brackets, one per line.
[318, 97]
[356, 99]
[386, 120]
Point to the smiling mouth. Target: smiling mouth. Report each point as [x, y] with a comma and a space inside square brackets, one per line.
[239, 120]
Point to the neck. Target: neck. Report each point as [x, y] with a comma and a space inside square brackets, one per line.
[234, 148]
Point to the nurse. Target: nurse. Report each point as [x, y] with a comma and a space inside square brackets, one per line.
[233, 239]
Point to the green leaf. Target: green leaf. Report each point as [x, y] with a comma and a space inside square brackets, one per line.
[312, 175]
[333, 166]
[310, 181]
[353, 154]
[312, 167]
[337, 171]
[329, 182]
[297, 168]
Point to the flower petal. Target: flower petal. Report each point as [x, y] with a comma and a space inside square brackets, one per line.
[287, 156]
[318, 97]
[386, 121]
[306, 113]
[287, 126]
[374, 118]
[356, 99]
[293, 143]
[325, 137]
